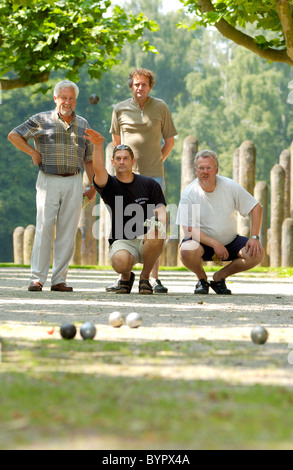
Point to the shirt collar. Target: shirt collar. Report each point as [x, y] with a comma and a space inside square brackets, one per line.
[58, 115]
[145, 104]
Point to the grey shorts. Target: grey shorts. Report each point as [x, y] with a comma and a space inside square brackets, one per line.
[134, 247]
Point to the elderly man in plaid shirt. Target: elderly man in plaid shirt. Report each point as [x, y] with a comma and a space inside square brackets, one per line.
[61, 152]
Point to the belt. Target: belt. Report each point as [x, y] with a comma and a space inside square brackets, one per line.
[64, 175]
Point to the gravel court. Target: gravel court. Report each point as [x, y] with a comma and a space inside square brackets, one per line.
[179, 316]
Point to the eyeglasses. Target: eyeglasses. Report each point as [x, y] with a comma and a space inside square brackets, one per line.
[123, 147]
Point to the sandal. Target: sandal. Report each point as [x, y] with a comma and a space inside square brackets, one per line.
[125, 287]
[220, 287]
[145, 288]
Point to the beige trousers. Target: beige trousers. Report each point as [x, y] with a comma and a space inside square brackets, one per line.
[58, 200]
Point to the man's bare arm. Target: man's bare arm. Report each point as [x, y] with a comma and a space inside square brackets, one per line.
[116, 140]
[167, 147]
[256, 220]
[101, 174]
[161, 214]
[203, 238]
[254, 246]
[89, 169]
[21, 144]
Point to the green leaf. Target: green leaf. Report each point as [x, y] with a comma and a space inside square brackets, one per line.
[55, 34]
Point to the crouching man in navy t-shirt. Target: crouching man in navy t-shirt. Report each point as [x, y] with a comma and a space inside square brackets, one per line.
[133, 201]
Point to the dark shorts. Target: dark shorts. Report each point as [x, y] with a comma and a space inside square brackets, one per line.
[233, 248]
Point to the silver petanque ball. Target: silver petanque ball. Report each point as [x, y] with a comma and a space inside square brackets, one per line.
[116, 319]
[88, 331]
[134, 320]
[259, 335]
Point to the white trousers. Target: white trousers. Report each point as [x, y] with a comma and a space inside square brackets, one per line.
[58, 200]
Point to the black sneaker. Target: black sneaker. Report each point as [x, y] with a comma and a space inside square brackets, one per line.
[159, 288]
[202, 287]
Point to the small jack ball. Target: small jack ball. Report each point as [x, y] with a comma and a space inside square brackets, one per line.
[259, 335]
[68, 331]
[88, 331]
[94, 99]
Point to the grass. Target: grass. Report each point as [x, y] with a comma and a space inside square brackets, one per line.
[278, 272]
[97, 391]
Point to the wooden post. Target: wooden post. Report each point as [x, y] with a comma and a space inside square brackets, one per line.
[247, 163]
[269, 246]
[285, 162]
[287, 243]
[28, 243]
[76, 258]
[18, 245]
[89, 249]
[261, 194]
[190, 149]
[277, 214]
[236, 168]
[171, 252]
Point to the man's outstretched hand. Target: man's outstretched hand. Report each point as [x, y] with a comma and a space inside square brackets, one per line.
[94, 137]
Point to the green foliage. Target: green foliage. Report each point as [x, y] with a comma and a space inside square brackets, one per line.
[37, 38]
[235, 96]
[242, 13]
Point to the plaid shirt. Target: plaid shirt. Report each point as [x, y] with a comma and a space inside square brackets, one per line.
[62, 146]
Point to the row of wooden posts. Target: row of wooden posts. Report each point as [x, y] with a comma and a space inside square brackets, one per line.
[276, 237]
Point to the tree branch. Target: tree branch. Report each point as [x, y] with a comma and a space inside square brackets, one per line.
[244, 40]
[11, 84]
[285, 15]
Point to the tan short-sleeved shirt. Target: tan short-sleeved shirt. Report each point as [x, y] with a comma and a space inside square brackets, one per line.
[142, 130]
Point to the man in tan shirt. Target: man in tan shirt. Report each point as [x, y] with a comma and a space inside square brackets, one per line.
[142, 122]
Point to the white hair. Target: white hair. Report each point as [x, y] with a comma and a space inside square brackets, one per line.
[206, 154]
[65, 84]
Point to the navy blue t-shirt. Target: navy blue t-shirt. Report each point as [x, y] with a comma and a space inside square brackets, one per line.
[130, 205]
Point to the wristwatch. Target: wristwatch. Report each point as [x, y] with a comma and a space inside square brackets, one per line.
[255, 237]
